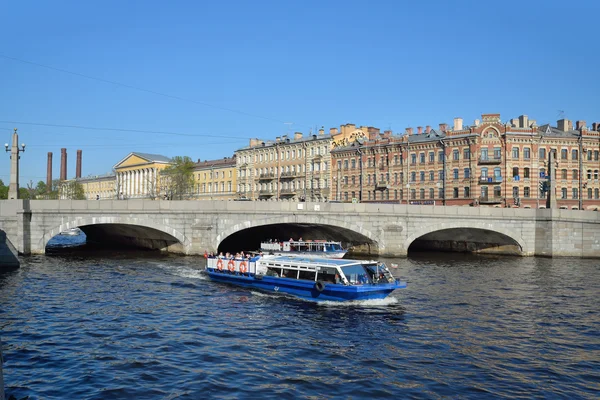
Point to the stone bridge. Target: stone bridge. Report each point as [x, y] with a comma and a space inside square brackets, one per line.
[192, 227]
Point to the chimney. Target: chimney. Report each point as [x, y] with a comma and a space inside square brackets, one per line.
[533, 123]
[419, 130]
[476, 123]
[49, 173]
[78, 165]
[63, 164]
[594, 126]
[570, 125]
[297, 135]
[458, 124]
[387, 134]
[321, 131]
[277, 139]
[333, 131]
[523, 121]
[443, 127]
[580, 125]
[409, 131]
[563, 124]
[514, 122]
[427, 129]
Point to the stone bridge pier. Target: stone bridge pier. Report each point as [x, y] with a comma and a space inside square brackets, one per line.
[192, 227]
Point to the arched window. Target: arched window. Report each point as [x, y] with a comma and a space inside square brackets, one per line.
[515, 171]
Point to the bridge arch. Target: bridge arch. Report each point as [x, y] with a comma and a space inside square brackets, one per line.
[472, 233]
[131, 222]
[356, 233]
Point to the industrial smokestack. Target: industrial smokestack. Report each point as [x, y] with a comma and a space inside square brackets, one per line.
[63, 164]
[78, 166]
[49, 173]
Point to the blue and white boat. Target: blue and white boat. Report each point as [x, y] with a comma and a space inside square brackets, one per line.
[305, 248]
[317, 279]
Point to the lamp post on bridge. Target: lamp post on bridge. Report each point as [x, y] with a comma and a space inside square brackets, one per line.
[13, 188]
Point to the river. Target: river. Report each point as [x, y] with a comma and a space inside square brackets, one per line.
[138, 325]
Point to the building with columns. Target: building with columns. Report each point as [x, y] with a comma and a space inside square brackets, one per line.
[488, 163]
[215, 179]
[137, 175]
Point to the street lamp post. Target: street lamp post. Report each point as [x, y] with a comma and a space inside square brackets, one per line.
[13, 188]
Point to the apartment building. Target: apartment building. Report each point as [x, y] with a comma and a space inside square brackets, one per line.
[215, 179]
[489, 163]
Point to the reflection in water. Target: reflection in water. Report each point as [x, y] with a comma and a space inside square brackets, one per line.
[145, 325]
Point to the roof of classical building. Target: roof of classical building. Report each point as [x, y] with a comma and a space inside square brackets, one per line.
[224, 162]
[547, 130]
[107, 176]
[146, 156]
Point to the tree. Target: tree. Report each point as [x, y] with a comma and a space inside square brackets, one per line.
[3, 190]
[72, 190]
[177, 179]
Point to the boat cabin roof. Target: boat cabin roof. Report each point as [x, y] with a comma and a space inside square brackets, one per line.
[321, 262]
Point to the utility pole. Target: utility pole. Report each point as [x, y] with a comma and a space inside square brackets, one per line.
[13, 188]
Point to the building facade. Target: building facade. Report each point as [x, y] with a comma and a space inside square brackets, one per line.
[215, 179]
[489, 163]
[138, 175]
[294, 168]
[99, 187]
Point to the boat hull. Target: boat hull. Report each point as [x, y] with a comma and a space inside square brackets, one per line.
[306, 289]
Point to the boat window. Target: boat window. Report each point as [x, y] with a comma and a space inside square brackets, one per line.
[328, 275]
[308, 275]
[356, 274]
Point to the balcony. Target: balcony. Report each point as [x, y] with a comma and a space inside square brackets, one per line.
[289, 192]
[266, 177]
[490, 160]
[382, 185]
[290, 175]
[490, 199]
[266, 192]
[490, 179]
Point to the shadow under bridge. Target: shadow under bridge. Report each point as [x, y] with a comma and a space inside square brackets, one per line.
[250, 239]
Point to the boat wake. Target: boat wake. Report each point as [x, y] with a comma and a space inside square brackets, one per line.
[184, 272]
[388, 301]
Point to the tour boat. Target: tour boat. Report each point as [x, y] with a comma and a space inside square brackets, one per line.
[317, 279]
[307, 248]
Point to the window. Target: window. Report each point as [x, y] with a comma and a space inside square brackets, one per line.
[589, 174]
[595, 155]
[466, 192]
[441, 156]
[526, 173]
[413, 194]
[542, 154]
[563, 174]
[455, 173]
[467, 154]
[467, 173]
[596, 194]
[515, 172]
[497, 191]
[484, 154]
[339, 164]
[455, 154]
[431, 157]
[441, 193]
[395, 178]
[484, 172]
[395, 194]
[526, 153]
[413, 158]
[596, 174]
[574, 154]
[422, 194]
[575, 193]
[497, 173]
[422, 158]
[422, 176]
[563, 193]
[431, 193]
[515, 152]
[563, 154]
[431, 175]
[526, 192]
[441, 175]
[455, 193]
[345, 164]
[575, 174]
[589, 155]
[497, 153]
[515, 192]
[413, 176]
[353, 163]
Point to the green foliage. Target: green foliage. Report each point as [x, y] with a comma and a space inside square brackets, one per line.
[3, 190]
[72, 190]
[177, 180]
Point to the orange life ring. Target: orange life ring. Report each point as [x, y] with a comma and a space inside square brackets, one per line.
[243, 268]
[231, 265]
[220, 265]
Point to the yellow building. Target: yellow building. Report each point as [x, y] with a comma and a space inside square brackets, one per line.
[215, 179]
[137, 175]
[99, 187]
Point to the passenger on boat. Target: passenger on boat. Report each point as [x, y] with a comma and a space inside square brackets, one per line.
[221, 255]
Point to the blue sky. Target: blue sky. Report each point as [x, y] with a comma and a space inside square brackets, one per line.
[207, 76]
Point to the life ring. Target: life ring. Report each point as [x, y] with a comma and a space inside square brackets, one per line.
[220, 265]
[243, 268]
[320, 286]
[231, 265]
